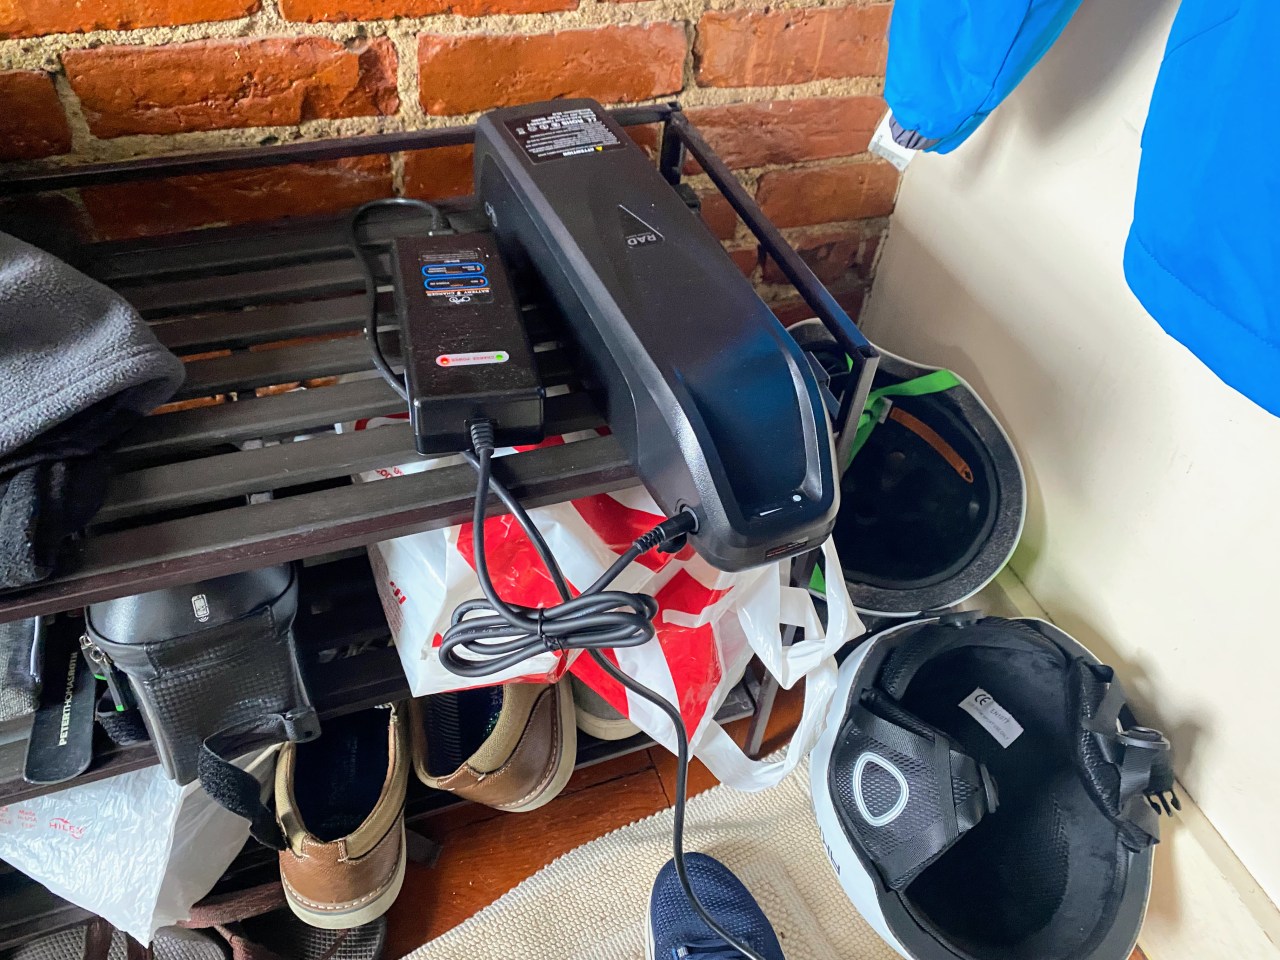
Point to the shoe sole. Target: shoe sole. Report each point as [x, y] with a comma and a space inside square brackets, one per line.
[357, 916]
[606, 728]
[568, 753]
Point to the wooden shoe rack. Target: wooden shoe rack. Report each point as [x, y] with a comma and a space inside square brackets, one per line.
[206, 491]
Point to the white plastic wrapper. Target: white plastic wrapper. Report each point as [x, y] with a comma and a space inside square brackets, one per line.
[709, 623]
[136, 849]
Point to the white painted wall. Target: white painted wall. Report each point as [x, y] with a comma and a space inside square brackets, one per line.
[1154, 526]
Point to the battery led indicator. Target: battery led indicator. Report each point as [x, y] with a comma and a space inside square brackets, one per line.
[472, 359]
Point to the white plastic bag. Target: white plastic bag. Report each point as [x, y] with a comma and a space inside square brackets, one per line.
[700, 655]
[709, 623]
[136, 849]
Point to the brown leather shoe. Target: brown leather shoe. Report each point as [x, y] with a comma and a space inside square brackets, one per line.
[512, 747]
[340, 802]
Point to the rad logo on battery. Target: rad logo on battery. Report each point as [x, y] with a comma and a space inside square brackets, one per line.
[478, 358]
[635, 231]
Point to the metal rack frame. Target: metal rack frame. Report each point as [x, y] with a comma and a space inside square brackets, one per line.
[207, 491]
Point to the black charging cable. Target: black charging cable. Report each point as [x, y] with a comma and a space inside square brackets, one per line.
[504, 635]
[439, 224]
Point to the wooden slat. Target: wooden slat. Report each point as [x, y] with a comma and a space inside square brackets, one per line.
[221, 249]
[109, 760]
[245, 369]
[266, 418]
[212, 250]
[244, 538]
[296, 281]
[244, 472]
[230, 329]
[291, 464]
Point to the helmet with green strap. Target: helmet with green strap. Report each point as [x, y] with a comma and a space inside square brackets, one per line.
[933, 496]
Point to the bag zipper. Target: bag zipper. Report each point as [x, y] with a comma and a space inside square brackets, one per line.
[104, 669]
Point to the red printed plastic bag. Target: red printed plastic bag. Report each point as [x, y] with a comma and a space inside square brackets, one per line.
[709, 623]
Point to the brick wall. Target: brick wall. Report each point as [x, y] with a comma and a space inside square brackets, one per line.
[788, 93]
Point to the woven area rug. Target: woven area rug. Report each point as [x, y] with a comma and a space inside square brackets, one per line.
[593, 901]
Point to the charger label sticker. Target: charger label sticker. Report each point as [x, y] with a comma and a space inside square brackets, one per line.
[456, 277]
[472, 359]
[995, 719]
[563, 133]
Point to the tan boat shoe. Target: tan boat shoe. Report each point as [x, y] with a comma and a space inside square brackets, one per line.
[340, 802]
[512, 747]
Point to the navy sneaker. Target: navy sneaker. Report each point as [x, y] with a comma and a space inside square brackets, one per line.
[676, 931]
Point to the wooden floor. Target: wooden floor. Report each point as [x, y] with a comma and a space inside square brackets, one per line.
[484, 853]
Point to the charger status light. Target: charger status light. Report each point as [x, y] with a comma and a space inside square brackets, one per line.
[477, 358]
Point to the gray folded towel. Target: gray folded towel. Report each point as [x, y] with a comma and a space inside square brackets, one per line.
[78, 366]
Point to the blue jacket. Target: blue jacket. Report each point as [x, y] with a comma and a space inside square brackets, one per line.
[951, 62]
[1203, 254]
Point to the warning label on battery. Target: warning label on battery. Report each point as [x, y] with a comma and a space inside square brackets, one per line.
[563, 133]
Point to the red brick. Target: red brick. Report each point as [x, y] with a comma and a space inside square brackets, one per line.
[789, 131]
[315, 11]
[745, 258]
[851, 191]
[215, 84]
[749, 48]
[32, 123]
[201, 200]
[34, 18]
[440, 172]
[832, 253]
[792, 309]
[719, 216]
[461, 74]
[646, 135]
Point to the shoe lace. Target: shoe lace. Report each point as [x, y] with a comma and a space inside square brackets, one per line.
[715, 949]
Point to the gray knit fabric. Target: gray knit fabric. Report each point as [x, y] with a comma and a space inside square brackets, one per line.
[78, 366]
[17, 686]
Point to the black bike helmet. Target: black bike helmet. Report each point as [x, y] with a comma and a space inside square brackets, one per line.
[985, 793]
[933, 501]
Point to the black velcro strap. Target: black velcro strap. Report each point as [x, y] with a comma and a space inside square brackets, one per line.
[1126, 765]
[906, 789]
[238, 791]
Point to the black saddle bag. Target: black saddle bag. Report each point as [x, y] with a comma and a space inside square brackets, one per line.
[213, 670]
